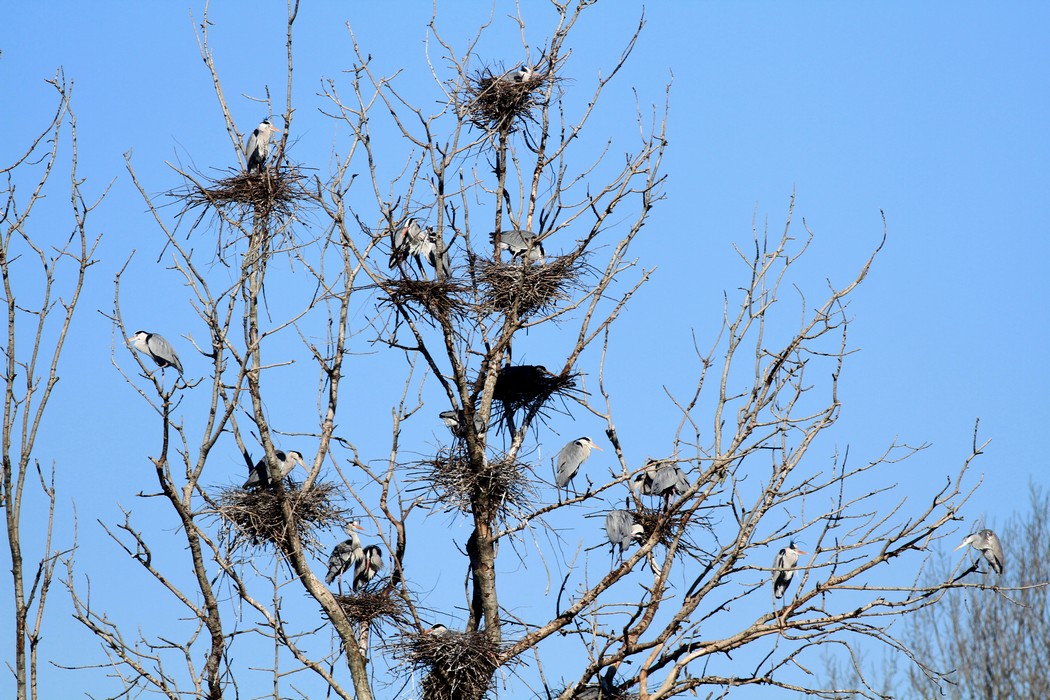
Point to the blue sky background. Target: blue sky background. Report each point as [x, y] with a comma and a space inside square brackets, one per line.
[935, 114]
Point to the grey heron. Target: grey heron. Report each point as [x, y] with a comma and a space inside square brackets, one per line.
[784, 568]
[367, 566]
[438, 630]
[411, 240]
[158, 348]
[263, 475]
[258, 146]
[456, 423]
[666, 480]
[571, 458]
[524, 74]
[520, 243]
[622, 530]
[345, 555]
[987, 543]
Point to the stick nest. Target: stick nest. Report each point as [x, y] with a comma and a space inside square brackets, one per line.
[459, 665]
[668, 526]
[439, 298]
[256, 518]
[528, 388]
[374, 606]
[528, 288]
[595, 691]
[274, 192]
[456, 484]
[496, 101]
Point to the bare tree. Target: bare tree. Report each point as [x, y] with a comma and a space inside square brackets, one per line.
[42, 281]
[989, 639]
[500, 168]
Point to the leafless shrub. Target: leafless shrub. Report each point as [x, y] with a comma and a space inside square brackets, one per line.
[256, 518]
[458, 665]
[456, 483]
[525, 288]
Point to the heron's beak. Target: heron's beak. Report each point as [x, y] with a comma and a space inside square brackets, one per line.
[595, 447]
[965, 542]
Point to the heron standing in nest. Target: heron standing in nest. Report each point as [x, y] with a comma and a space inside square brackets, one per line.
[265, 475]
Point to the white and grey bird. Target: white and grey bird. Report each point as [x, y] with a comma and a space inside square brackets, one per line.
[264, 476]
[157, 347]
[456, 423]
[571, 458]
[658, 479]
[523, 74]
[345, 555]
[988, 544]
[519, 243]
[367, 566]
[622, 530]
[413, 241]
[258, 146]
[784, 568]
[438, 630]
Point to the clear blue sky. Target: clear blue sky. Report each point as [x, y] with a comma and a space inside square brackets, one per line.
[933, 113]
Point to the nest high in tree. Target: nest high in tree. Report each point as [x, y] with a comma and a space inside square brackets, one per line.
[439, 298]
[458, 665]
[497, 101]
[668, 526]
[455, 482]
[527, 388]
[374, 606]
[255, 518]
[528, 288]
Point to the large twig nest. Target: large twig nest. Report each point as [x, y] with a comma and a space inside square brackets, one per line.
[668, 526]
[256, 518]
[596, 691]
[372, 606]
[456, 483]
[439, 298]
[529, 288]
[497, 101]
[528, 388]
[458, 665]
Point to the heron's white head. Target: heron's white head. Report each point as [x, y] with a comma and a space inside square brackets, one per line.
[138, 339]
[353, 527]
[588, 444]
[437, 630]
[795, 548]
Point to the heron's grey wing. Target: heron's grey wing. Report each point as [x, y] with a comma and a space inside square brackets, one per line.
[994, 553]
[568, 465]
[162, 351]
[258, 476]
[343, 557]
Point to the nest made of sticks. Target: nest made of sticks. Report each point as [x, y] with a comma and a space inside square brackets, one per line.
[530, 288]
[497, 101]
[439, 298]
[273, 192]
[669, 525]
[373, 606]
[456, 483]
[458, 665]
[256, 518]
[528, 388]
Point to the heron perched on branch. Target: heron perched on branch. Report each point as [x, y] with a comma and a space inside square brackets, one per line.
[411, 240]
[158, 348]
[457, 425]
[258, 146]
[571, 458]
[988, 544]
[661, 479]
[345, 555]
[367, 566]
[519, 243]
[622, 530]
[264, 475]
[784, 568]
